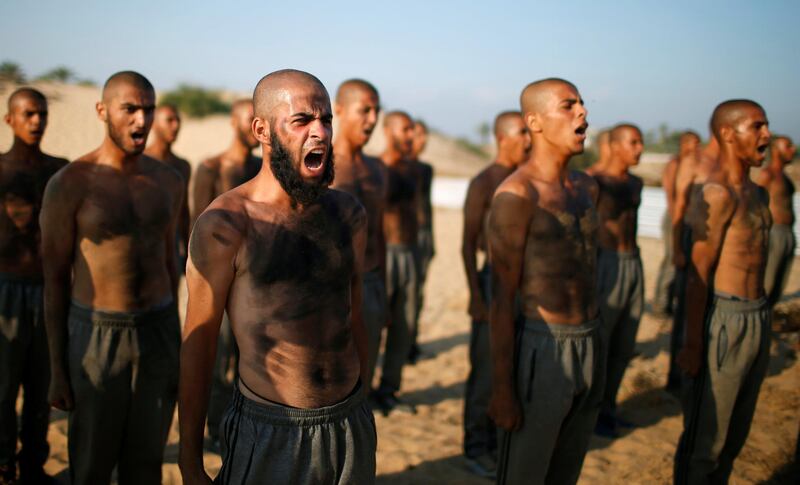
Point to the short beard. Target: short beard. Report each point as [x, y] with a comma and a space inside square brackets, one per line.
[299, 191]
[119, 141]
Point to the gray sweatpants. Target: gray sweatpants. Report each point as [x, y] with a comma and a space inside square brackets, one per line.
[123, 368]
[24, 362]
[424, 252]
[480, 433]
[559, 375]
[718, 404]
[373, 310]
[620, 290]
[780, 257]
[226, 368]
[401, 295]
[270, 443]
[665, 287]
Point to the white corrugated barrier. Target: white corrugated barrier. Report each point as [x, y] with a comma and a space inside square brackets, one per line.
[449, 192]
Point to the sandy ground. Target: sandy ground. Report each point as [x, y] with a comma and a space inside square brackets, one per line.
[426, 448]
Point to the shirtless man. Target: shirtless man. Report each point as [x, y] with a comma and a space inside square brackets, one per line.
[603, 152]
[693, 170]
[513, 148]
[663, 300]
[24, 172]
[425, 245]
[357, 107]
[108, 246]
[781, 236]
[284, 255]
[402, 275]
[215, 176]
[546, 388]
[231, 168]
[166, 125]
[726, 352]
[620, 280]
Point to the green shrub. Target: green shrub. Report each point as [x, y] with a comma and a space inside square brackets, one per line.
[196, 101]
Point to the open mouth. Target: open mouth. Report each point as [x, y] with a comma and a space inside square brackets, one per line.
[762, 149]
[138, 137]
[37, 132]
[581, 130]
[313, 159]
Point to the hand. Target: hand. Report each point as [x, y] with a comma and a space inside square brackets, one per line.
[196, 477]
[678, 258]
[477, 310]
[60, 392]
[690, 359]
[505, 411]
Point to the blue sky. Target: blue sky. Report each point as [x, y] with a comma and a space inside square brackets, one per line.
[455, 64]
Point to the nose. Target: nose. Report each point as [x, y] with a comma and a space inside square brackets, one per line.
[320, 130]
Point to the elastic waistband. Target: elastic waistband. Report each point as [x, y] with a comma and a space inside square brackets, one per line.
[729, 303]
[400, 247]
[562, 329]
[373, 275]
[105, 318]
[25, 280]
[633, 254]
[278, 414]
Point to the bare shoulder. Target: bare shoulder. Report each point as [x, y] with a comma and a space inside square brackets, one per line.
[225, 221]
[516, 184]
[374, 164]
[636, 181]
[163, 172]
[183, 166]
[347, 206]
[425, 169]
[55, 163]
[584, 182]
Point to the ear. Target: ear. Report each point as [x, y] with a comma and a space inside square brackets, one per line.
[260, 128]
[533, 123]
[337, 109]
[7, 118]
[102, 111]
[726, 134]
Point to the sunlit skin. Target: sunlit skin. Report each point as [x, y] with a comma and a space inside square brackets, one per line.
[693, 170]
[541, 236]
[603, 152]
[689, 143]
[400, 221]
[777, 183]
[108, 224]
[620, 191]
[232, 167]
[513, 148]
[24, 172]
[730, 221]
[288, 274]
[166, 126]
[357, 108]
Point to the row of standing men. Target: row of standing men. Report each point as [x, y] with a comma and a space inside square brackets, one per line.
[565, 279]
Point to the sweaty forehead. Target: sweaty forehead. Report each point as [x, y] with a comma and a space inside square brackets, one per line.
[27, 102]
[546, 95]
[128, 93]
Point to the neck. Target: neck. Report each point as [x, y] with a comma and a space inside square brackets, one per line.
[347, 150]
[504, 160]
[776, 164]
[550, 162]
[737, 170]
[616, 167]
[238, 151]
[113, 156]
[22, 151]
[391, 156]
[159, 149]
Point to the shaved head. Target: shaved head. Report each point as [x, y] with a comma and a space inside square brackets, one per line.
[393, 117]
[274, 89]
[535, 94]
[505, 122]
[730, 113]
[125, 78]
[689, 135]
[240, 104]
[348, 89]
[617, 133]
[604, 137]
[25, 93]
[421, 125]
[167, 107]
